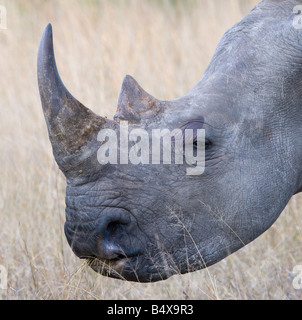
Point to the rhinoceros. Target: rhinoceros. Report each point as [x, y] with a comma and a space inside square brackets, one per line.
[146, 222]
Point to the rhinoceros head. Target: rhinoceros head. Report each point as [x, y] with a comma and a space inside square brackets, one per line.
[145, 220]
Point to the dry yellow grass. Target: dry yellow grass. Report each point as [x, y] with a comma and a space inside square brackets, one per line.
[165, 45]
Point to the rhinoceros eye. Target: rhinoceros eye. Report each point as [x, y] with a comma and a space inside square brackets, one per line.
[208, 144]
[195, 125]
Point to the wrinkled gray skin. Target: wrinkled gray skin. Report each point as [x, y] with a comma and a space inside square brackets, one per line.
[148, 222]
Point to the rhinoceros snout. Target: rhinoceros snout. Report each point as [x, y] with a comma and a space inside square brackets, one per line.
[108, 238]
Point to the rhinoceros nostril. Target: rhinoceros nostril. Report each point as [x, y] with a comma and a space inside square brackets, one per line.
[108, 224]
[109, 232]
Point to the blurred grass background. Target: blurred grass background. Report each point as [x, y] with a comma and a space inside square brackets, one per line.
[166, 45]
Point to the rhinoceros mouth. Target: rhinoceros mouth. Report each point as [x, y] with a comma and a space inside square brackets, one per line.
[120, 267]
[137, 268]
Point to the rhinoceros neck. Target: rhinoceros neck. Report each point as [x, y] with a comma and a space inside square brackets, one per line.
[258, 55]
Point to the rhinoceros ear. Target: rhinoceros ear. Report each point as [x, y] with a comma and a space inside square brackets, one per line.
[70, 124]
[135, 104]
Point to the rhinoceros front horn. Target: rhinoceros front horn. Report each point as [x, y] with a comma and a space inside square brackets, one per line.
[70, 124]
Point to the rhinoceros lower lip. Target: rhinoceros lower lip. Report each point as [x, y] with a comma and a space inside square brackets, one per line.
[104, 266]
